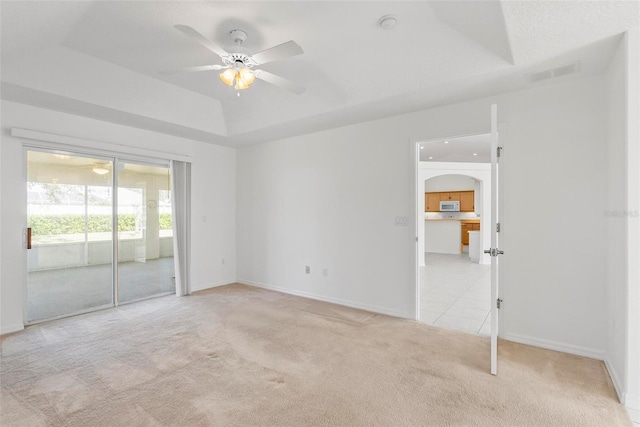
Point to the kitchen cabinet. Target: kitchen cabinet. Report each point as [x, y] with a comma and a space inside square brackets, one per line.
[466, 227]
[467, 201]
[450, 196]
[432, 202]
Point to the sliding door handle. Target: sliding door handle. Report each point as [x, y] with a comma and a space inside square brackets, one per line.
[28, 237]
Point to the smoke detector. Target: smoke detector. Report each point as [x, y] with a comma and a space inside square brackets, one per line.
[238, 36]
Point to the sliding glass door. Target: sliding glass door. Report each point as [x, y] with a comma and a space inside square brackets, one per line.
[69, 215]
[76, 210]
[145, 237]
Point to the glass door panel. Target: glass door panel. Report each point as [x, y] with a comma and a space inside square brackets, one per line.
[69, 214]
[145, 237]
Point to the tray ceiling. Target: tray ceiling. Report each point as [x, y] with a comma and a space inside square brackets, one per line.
[104, 59]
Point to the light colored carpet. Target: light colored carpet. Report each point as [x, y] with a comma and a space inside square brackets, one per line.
[241, 356]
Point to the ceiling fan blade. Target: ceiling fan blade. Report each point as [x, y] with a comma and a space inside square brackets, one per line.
[279, 81]
[282, 51]
[190, 32]
[214, 67]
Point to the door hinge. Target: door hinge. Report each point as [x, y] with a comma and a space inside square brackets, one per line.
[498, 227]
[498, 303]
[498, 149]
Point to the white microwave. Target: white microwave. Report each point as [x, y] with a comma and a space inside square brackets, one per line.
[450, 206]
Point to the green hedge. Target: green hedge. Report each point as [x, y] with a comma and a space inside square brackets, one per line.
[166, 222]
[44, 225]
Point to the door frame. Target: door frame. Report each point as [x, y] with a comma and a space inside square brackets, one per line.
[414, 158]
[415, 164]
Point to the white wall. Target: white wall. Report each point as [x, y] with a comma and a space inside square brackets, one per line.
[449, 183]
[213, 197]
[329, 199]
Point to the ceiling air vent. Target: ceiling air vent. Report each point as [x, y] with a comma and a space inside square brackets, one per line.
[554, 72]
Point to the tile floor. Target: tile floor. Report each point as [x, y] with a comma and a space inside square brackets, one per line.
[455, 293]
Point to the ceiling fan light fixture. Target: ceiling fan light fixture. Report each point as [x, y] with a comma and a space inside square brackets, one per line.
[240, 84]
[238, 78]
[246, 76]
[228, 76]
[100, 170]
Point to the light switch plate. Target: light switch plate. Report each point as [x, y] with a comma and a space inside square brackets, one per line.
[402, 221]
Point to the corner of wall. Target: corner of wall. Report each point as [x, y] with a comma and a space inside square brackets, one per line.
[615, 379]
[632, 404]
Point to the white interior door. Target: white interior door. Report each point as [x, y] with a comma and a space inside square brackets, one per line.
[494, 251]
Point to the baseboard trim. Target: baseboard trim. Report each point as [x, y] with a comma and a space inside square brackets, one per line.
[11, 328]
[339, 301]
[617, 385]
[212, 285]
[632, 403]
[634, 414]
[554, 345]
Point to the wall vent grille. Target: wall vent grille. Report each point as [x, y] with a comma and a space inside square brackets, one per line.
[563, 70]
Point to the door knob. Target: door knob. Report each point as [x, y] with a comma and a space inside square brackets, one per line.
[493, 251]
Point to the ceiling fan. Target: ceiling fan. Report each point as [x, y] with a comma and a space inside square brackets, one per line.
[238, 65]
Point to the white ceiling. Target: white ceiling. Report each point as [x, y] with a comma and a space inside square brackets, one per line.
[467, 149]
[104, 59]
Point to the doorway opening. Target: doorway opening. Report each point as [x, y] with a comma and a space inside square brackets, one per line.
[99, 233]
[454, 286]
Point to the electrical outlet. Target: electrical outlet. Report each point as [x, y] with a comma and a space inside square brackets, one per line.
[307, 269]
[325, 272]
[222, 261]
